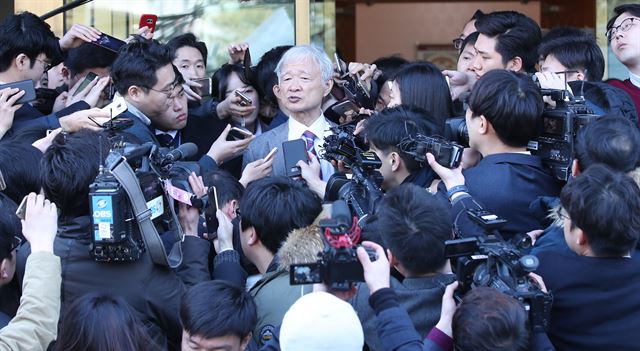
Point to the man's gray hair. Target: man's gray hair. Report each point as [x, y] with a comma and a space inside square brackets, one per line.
[300, 52]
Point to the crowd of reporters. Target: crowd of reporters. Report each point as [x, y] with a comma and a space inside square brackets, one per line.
[553, 235]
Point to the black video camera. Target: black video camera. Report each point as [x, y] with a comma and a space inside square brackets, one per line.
[487, 260]
[338, 266]
[116, 235]
[447, 154]
[362, 191]
[556, 144]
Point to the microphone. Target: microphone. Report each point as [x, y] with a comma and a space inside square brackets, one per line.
[133, 151]
[341, 215]
[183, 151]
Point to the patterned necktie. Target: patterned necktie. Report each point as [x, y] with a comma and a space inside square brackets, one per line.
[309, 138]
[165, 140]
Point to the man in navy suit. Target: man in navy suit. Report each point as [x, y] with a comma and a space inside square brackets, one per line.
[304, 79]
[505, 113]
[144, 75]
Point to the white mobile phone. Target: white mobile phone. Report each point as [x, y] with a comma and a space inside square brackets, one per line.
[270, 154]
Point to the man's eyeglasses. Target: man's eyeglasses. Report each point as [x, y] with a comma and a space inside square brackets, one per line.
[624, 26]
[562, 213]
[171, 96]
[47, 66]
[15, 242]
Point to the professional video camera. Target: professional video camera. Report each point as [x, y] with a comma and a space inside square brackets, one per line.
[555, 145]
[447, 154]
[116, 235]
[338, 266]
[362, 191]
[487, 260]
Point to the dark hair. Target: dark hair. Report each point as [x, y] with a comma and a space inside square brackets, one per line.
[488, 320]
[414, 226]
[609, 140]
[477, 15]
[69, 166]
[516, 36]
[188, 39]
[633, 9]
[470, 39]
[101, 322]
[386, 129]
[227, 188]
[10, 226]
[604, 204]
[220, 79]
[574, 49]
[25, 33]
[88, 56]
[422, 84]
[137, 64]
[275, 206]
[20, 167]
[217, 308]
[389, 66]
[511, 102]
[266, 76]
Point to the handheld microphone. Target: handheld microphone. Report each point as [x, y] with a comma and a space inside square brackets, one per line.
[132, 151]
[183, 151]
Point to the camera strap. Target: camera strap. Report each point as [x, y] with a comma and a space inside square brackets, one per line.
[127, 178]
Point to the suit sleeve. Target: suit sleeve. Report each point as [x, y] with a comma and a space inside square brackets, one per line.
[249, 155]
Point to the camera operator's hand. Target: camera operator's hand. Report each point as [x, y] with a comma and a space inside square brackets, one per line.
[552, 80]
[188, 216]
[40, 223]
[225, 233]
[256, 170]
[377, 273]
[77, 35]
[310, 172]
[447, 310]
[8, 98]
[191, 88]
[450, 177]
[231, 107]
[80, 119]
[197, 184]
[534, 235]
[538, 280]
[459, 82]
[44, 143]
[223, 150]
[237, 52]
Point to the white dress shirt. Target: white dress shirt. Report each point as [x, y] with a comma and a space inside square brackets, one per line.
[635, 79]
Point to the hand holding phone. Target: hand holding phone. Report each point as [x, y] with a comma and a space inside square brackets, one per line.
[270, 154]
[294, 151]
[24, 85]
[205, 89]
[244, 100]
[149, 21]
[90, 77]
[239, 133]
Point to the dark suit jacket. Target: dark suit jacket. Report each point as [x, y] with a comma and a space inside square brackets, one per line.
[145, 134]
[420, 297]
[506, 184]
